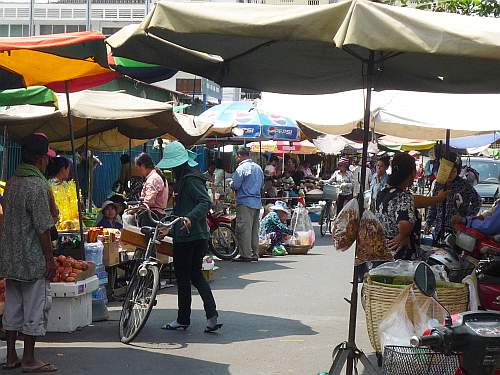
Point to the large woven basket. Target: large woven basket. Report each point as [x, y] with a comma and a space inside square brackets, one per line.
[378, 298]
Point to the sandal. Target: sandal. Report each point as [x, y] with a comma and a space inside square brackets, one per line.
[5, 366]
[169, 327]
[46, 367]
[214, 328]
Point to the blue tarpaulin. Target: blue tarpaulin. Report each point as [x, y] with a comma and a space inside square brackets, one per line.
[475, 140]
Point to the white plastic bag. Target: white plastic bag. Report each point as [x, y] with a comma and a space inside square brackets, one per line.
[303, 232]
[396, 328]
[406, 268]
[371, 245]
[345, 226]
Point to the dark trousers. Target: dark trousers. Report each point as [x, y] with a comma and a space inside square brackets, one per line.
[188, 258]
[341, 201]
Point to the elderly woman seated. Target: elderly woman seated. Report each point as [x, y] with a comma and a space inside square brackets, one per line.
[273, 226]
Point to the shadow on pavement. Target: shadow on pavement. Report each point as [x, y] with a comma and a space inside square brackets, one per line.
[126, 361]
[238, 327]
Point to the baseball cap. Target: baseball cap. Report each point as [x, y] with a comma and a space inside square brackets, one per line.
[38, 144]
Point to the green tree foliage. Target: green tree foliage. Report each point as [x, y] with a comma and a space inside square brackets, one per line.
[483, 8]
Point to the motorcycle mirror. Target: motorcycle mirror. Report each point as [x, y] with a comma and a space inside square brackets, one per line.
[425, 279]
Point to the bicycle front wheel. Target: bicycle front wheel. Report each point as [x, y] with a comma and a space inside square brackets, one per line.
[333, 215]
[138, 303]
[324, 221]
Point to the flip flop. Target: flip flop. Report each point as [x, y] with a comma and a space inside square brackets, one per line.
[7, 367]
[168, 327]
[214, 328]
[46, 367]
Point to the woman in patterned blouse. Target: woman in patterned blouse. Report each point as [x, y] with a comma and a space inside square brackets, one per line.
[273, 224]
[463, 200]
[395, 208]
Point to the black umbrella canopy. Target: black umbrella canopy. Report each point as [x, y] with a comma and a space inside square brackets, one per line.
[320, 49]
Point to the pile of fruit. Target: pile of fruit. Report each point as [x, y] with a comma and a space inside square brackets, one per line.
[68, 269]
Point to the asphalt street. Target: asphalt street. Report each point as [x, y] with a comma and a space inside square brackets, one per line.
[282, 315]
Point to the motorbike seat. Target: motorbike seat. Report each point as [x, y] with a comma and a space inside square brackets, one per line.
[147, 231]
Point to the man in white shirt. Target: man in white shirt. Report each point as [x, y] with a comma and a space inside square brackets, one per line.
[357, 180]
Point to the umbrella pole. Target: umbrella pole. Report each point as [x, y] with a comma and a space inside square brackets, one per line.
[447, 143]
[347, 353]
[130, 159]
[89, 173]
[5, 155]
[260, 152]
[75, 169]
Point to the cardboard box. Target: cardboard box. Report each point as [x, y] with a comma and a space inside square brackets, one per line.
[110, 256]
[135, 237]
[88, 273]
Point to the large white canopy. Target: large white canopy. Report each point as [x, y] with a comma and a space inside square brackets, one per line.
[406, 114]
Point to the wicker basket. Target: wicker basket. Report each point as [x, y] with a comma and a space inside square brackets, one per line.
[297, 250]
[378, 298]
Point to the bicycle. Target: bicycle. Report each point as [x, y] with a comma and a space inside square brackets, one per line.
[327, 216]
[329, 210]
[144, 284]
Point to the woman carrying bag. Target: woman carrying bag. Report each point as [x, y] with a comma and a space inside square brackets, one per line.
[190, 238]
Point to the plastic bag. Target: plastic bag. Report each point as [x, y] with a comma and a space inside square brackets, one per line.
[409, 316]
[397, 328]
[279, 250]
[406, 268]
[371, 240]
[303, 232]
[345, 226]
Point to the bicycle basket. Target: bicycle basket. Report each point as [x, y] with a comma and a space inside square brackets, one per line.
[404, 360]
[330, 192]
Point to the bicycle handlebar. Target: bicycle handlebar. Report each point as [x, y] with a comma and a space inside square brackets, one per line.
[148, 210]
[431, 340]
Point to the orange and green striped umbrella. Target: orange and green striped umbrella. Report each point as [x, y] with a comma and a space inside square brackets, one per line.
[50, 59]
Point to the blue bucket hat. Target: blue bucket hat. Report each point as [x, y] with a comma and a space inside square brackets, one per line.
[175, 154]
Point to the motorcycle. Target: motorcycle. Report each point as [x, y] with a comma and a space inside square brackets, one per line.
[488, 280]
[223, 242]
[474, 336]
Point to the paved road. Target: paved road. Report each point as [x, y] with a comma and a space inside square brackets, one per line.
[281, 316]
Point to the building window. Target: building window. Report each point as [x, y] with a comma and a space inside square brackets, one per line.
[14, 30]
[61, 29]
[188, 86]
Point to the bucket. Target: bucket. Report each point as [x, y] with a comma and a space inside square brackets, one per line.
[445, 168]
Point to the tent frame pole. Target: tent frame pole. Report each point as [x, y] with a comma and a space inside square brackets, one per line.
[346, 353]
[73, 152]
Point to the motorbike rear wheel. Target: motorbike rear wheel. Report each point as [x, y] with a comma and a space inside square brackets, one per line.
[223, 243]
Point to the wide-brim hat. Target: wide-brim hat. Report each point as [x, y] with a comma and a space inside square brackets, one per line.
[108, 203]
[175, 154]
[280, 206]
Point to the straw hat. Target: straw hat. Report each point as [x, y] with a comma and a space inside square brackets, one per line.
[175, 154]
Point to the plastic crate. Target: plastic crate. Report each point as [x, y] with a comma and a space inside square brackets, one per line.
[78, 288]
[70, 313]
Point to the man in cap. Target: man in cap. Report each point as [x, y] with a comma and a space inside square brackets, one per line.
[247, 182]
[26, 254]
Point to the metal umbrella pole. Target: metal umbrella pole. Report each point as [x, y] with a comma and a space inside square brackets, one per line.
[347, 353]
[75, 169]
[89, 173]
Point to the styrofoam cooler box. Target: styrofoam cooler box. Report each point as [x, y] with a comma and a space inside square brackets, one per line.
[60, 290]
[71, 305]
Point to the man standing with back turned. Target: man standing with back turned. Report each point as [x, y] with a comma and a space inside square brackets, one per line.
[26, 254]
[247, 182]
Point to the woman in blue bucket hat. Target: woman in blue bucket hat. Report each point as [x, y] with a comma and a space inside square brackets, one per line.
[190, 238]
